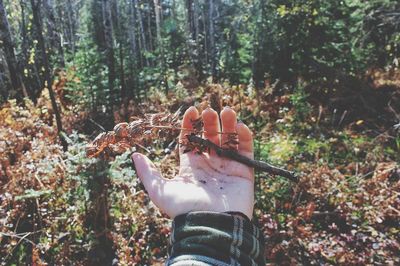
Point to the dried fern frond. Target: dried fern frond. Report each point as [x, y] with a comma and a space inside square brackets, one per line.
[126, 135]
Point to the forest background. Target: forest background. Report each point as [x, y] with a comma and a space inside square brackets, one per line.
[317, 81]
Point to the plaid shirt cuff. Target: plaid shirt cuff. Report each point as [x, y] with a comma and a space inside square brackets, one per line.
[212, 238]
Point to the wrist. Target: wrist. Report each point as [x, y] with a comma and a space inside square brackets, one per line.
[215, 238]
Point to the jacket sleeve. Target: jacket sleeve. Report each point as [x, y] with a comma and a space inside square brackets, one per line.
[212, 238]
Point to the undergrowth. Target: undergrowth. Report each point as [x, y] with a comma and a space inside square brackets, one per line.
[62, 208]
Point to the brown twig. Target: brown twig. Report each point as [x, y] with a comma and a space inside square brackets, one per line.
[233, 155]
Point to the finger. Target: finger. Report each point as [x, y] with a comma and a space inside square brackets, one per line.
[189, 117]
[211, 125]
[245, 140]
[150, 177]
[229, 122]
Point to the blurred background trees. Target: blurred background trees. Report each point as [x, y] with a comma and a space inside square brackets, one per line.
[117, 49]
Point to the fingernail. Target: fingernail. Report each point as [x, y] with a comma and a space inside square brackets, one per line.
[227, 107]
[135, 156]
[190, 108]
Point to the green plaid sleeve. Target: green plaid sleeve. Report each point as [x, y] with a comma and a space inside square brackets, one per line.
[211, 238]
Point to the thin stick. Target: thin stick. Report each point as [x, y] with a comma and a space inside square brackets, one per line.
[182, 128]
[231, 154]
[97, 124]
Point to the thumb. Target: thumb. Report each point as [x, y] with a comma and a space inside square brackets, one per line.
[150, 176]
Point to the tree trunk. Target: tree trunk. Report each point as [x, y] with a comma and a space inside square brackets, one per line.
[124, 96]
[189, 18]
[132, 28]
[203, 16]
[142, 34]
[36, 20]
[54, 35]
[30, 86]
[132, 41]
[189, 22]
[150, 39]
[8, 46]
[3, 83]
[109, 44]
[196, 36]
[257, 63]
[196, 21]
[189, 32]
[212, 40]
[120, 38]
[157, 11]
[71, 26]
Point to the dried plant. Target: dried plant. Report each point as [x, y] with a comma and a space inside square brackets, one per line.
[127, 135]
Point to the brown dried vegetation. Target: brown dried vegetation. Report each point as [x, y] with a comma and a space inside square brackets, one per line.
[344, 210]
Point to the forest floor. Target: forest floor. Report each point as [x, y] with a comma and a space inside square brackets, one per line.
[62, 208]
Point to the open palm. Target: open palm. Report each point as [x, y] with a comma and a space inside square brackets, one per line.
[206, 182]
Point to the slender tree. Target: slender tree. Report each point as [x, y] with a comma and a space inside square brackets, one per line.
[34, 82]
[211, 33]
[189, 28]
[52, 31]
[71, 25]
[160, 45]
[120, 38]
[157, 11]
[133, 44]
[190, 18]
[132, 27]
[143, 43]
[149, 28]
[196, 7]
[3, 79]
[36, 5]
[8, 46]
[193, 33]
[109, 46]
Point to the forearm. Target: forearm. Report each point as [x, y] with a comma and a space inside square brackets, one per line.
[211, 238]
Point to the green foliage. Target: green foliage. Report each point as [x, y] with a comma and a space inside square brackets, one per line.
[336, 32]
[279, 149]
[121, 170]
[89, 82]
[32, 194]
[255, 41]
[300, 104]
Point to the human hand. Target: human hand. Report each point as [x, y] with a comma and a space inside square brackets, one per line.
[206, 182]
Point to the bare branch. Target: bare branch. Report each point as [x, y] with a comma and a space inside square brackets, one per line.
[233, 155]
